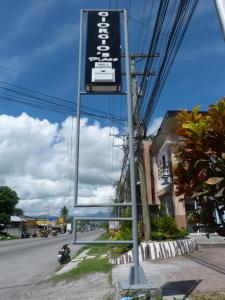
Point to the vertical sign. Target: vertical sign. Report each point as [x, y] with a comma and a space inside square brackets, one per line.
[103, 69]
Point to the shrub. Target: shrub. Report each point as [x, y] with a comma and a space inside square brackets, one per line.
[160, 236]
[124, 234]
[164, 227]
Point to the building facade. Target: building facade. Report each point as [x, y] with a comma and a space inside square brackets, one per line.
[159, 161]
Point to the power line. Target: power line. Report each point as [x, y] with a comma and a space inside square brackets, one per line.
[40, 95]
[171, 23]
[180, 24]
[43, 101]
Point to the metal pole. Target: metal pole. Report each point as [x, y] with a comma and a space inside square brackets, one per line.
[74, 229]
[131, 147]
[48, 219]
[220, 7]
[141, 167]
[77, 141]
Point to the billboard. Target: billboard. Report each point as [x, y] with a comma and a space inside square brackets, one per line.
[103, 65]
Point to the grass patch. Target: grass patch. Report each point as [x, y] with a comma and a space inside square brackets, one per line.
[8, 237]
[100, 249]
[79, 251]
[86, 267]
[92, 265]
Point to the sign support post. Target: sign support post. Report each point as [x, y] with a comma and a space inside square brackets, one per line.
[77, 137]
[136, 279]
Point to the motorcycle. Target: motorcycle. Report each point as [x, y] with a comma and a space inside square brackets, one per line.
[64, 254]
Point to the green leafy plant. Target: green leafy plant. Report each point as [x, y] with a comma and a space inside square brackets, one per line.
[164, 227]
[199, 173]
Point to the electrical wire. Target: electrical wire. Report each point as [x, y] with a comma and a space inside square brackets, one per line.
[170, 25]
[42, 96]
[183, 16]
[13, 93]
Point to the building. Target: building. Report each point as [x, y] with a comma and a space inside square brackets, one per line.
[159, 161]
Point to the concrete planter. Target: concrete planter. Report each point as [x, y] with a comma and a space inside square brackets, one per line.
[152, 250]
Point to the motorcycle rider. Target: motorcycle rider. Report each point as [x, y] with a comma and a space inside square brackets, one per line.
[64, 254]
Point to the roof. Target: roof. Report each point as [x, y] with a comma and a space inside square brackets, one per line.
[15, 219]
[168, 125]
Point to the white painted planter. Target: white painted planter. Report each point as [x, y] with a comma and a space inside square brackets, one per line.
[157, 250]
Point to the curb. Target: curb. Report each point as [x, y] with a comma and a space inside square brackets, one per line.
[150, 250]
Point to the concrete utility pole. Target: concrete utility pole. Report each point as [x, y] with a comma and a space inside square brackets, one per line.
[141, 169]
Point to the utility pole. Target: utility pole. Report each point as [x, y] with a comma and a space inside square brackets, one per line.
[141, 169]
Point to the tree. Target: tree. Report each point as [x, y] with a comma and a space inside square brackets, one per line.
[8, 201]
[18, 212]
[64, 212]
[200, 169]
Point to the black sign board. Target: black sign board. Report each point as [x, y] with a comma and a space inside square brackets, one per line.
[103, 69]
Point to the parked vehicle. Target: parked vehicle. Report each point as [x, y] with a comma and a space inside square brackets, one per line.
[64, 254]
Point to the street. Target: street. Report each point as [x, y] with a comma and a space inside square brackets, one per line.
[29, 261]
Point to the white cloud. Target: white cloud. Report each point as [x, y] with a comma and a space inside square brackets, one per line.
[37, 161]
[155, 125]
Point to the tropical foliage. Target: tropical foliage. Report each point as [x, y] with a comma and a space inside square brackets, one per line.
[124, 232]
[199, 173]
[164, 227]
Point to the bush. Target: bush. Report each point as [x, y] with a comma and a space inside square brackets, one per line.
[165, 227]
[159, 236]
[124, 234]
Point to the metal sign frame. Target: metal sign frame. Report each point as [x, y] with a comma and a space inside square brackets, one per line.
[136, 277]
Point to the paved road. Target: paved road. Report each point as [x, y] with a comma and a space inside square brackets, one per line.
[28, 261]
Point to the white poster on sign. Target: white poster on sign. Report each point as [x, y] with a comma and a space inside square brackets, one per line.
[114, 224]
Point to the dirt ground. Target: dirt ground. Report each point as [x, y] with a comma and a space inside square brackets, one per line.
[93, 286]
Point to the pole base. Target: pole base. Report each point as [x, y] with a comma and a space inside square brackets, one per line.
[143, 287]
[131, 284]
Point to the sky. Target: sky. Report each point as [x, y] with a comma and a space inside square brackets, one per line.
[39, 51]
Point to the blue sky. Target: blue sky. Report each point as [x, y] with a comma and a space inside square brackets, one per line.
[39, 51]
[197, 77]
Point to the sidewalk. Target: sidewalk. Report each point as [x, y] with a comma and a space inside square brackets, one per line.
[180, 276]
[213, 241]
